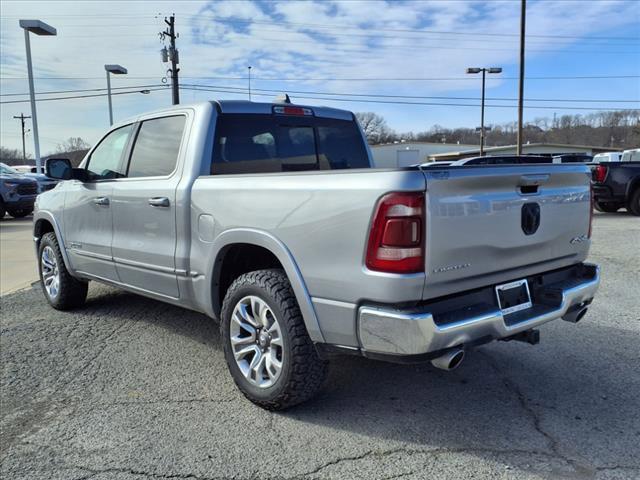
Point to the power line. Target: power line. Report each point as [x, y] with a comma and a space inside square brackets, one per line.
[372, 50]
[401, 102]
[199, 17]
[82, 90]
[405, 30]
[83, 96]
[348, 79]
[601, 42]
[417, 96]
[591, 100]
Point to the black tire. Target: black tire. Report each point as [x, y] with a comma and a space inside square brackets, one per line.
[607, 207]
[303, 371]
[72, 292]
[21, 213]
[2, 210]
[634, 202]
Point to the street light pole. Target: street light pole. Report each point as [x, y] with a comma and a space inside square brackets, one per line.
[484, 71]
[39, 28]
[116, 70]
[109, 98]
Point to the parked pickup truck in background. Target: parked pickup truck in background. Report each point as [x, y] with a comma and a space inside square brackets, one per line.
[270, 218]
[617, 185]
[17, 193]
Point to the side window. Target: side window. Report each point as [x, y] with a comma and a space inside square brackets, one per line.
[106, 160]
[156, 148]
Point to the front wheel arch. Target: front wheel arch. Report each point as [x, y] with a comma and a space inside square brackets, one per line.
[43, 223]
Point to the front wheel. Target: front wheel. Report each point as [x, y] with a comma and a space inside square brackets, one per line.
[61, 290]
[634, 202]
[266, 345]
[607, 207]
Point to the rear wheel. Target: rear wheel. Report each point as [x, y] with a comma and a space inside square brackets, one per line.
[61, 290]
[634, 202]
[269, 353]
[607, 207]
[2, 210]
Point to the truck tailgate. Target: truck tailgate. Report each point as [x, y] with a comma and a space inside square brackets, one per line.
[496, 223]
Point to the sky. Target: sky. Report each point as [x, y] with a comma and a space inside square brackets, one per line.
[368, 55]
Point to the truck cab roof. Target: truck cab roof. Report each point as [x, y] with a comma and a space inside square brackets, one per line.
[247, 107]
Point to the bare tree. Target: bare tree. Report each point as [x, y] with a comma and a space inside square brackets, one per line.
[72, 144]
[11, 156]
[375, 127]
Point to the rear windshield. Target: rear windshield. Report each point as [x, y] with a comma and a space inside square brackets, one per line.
[257, 143]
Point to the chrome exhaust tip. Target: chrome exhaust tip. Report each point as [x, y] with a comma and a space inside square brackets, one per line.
[450, 360]
[575, 315]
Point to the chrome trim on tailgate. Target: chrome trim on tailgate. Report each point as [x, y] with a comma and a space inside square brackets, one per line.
[409, 333]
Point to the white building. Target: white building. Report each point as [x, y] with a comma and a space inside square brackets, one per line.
[527, 149]
[402, 154]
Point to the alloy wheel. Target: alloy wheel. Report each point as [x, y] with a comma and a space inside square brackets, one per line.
[256, 341]
[50, 272]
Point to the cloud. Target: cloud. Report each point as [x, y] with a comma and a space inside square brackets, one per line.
[285, 39]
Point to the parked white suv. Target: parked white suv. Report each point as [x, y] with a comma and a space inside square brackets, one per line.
[632, 155]
[607, 157]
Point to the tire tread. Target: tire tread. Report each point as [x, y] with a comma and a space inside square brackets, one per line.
[73, 292]
[308, 370]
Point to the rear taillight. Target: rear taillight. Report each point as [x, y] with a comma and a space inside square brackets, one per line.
[396, 239]
[600, 173]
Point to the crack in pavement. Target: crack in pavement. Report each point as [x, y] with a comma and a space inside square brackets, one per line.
[581, 470]
[417, 451]
[94, 472]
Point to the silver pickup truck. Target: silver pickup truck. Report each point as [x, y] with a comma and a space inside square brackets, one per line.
[269, 218]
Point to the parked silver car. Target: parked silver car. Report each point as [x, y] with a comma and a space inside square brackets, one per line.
[269, 218]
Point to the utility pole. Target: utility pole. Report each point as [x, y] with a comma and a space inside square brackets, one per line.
[523, 14]
[22, 118]
[173, 57]
[249, 68]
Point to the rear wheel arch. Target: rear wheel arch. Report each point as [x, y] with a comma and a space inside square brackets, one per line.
[267, 252]
[235, 260]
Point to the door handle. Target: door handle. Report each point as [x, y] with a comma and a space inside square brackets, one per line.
[102, 201]
[159, 202]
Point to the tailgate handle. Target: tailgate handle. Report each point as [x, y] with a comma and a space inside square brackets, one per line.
[533, 180]
[528, 184]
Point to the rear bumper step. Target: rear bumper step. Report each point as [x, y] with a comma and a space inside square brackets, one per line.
[560, 294]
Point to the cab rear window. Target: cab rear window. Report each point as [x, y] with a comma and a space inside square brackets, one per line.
[258, 143]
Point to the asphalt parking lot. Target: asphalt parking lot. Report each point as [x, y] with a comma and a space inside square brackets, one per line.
[129, 388]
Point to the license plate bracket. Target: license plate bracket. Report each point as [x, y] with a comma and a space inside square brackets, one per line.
[513, 296]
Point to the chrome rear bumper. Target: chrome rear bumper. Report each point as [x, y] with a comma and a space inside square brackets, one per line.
[399, 332]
